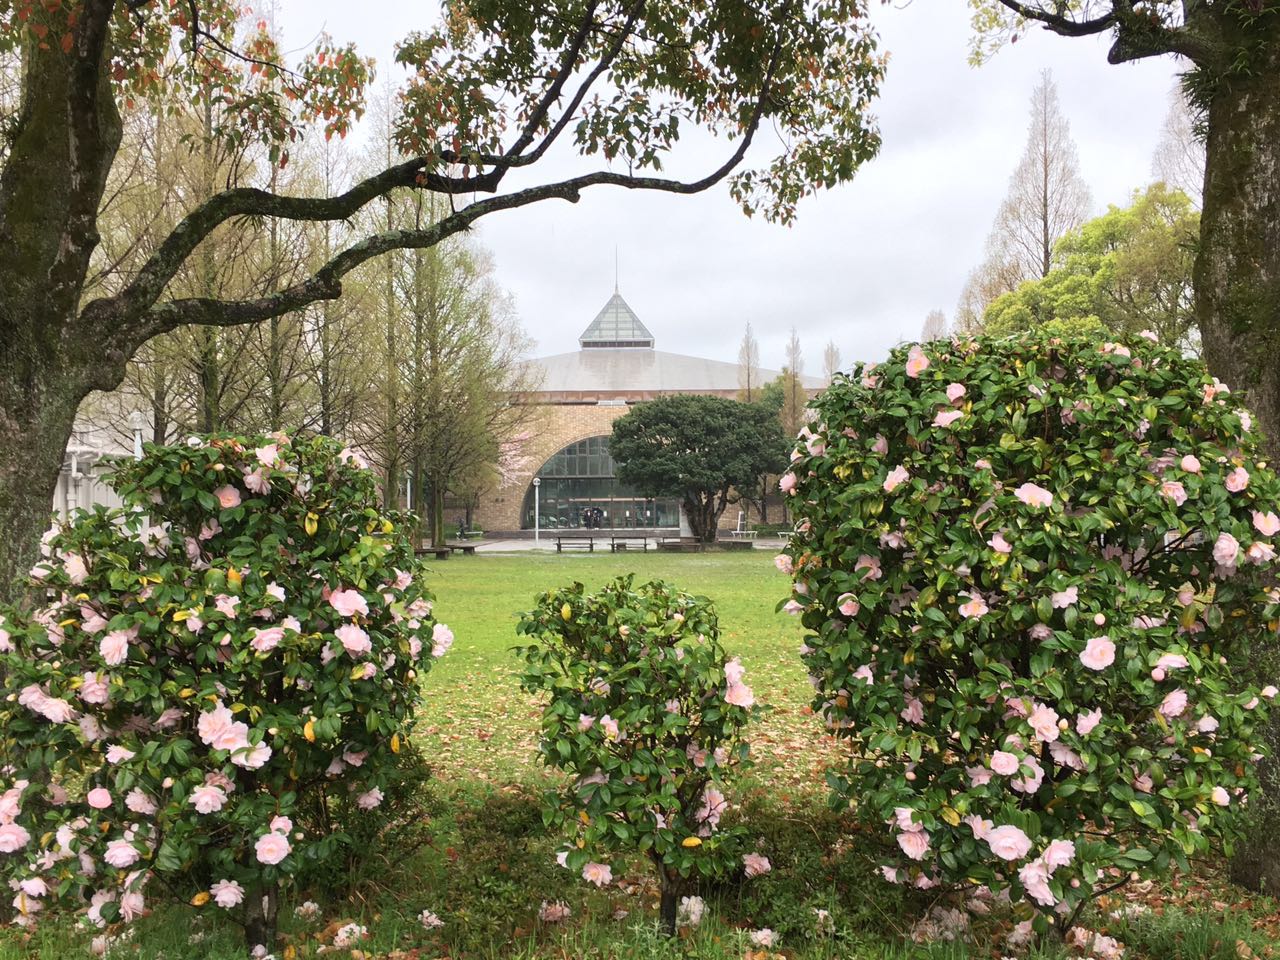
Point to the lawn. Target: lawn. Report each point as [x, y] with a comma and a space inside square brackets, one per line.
[473, 849]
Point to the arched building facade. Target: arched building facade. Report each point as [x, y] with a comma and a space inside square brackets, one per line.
[580, 394]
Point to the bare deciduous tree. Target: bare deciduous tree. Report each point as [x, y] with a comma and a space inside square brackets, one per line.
[1179, 156]
[749, 365]
[1047, 196]
[830, 361]
[935, 326]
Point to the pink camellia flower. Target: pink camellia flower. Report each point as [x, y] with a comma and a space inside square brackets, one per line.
[1237, 480]
[1172, 661]
[1260, 552]
[207, 799]
[848, 604]
[348, 603]
[897, 476]
[610, 727]
[914, 711]
[264, 641]
[119, 754]
[946, 418]
[783, 563]
[75, 568]
[1065, 598]
[955, 391]
[1044, 721]
[140, 803]
[554, 912]
[1220, 797]
[13, 837]
[271, 848]
[228, 496]
[1174, 703]
[978, 776]
[441, 640]
[865, 674]
[914, 843]
[1035, 880]
[120, 854]
[1207, 724]
[755, 865]
[1099, 653]
[1004, 763]
[370, 799]
[268, 455]
[917, 362]
[978, 825]
[256, 481]
[1008, 842]
[871, 565]
[787, 484]
[354, 640]
[974, 607]
[1226, 550]
[1190, 464]
[740, 695]
[227, 894]
[1065, 756]
[114, 647]
[764, 937]
[94, 689]
[1058, 853]
[251, 756]
[880, 446]
[99, 798]
[227, 605]
[1175, 491]
[1041, 632]
[999, 544]
[1269, 691]
[734, 671]
[280, 825]
[1267, 524]
[601, 874]
[1033, 495]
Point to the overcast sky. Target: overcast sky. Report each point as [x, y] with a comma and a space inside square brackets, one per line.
[865, 262]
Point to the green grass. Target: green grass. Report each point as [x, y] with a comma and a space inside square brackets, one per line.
[489, 863]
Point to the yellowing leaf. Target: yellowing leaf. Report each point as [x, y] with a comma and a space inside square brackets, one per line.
[582, 815]
[311, 524]
[186, 693]
[691, 842]
[233, 577]
[395, 743]
[950, 815]
[200, 899]
[566, 612]
[309, 731]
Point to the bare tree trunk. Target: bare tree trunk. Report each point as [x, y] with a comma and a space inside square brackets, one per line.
[261, 910]
[1237, 284]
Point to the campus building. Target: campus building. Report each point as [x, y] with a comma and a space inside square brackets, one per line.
[580, 394]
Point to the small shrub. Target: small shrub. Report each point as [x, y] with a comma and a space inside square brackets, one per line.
[248, 632]
[1032, 570]
[646, 711]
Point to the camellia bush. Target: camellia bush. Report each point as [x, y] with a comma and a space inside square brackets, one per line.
[248, 632]
[646, 711]
[1031, 570]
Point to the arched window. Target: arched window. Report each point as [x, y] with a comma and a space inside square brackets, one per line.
[580, 490]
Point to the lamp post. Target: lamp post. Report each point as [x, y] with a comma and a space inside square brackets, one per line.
[537, 512]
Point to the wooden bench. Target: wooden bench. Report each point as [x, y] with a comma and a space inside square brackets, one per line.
[624, 543]
[442, 553]
[466, 548]
[680, 544]
[735, 543]
[565, 543]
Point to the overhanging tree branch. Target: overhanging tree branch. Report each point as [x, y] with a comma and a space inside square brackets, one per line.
[134, 316]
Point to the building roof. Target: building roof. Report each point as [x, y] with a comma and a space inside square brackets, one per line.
[635, 372]
[615, 326]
